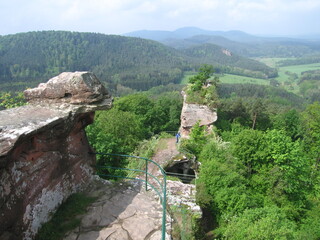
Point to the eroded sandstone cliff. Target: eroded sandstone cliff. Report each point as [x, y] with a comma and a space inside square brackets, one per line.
[44, 152]
[192, 113]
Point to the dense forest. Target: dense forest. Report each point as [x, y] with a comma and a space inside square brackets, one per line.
[29, 58]
[137, 63]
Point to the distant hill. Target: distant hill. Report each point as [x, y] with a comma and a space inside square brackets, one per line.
[283, 48]
[27, 59]
[136, 63]
[187, 32]
[236, 47]
[228, 62]
[236, 41]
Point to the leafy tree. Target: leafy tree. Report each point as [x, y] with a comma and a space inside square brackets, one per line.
[204, 73]
[199, 92]
[248, 147]
[165, 115]
[259, 173]
[230, 111]
[161, 113]
[310, 225]
[258, 114]
[117, 132]
[290, 122]
[132, 119]
[260, 223]
[293, 180]
[311, 126]
[10, 100]
[224, 182]
[311, 129]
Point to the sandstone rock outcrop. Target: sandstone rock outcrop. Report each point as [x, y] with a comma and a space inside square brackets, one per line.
[69, 87]
[192, 113]
[44, 152]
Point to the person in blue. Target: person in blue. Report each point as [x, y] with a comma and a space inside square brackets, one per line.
[178, 136]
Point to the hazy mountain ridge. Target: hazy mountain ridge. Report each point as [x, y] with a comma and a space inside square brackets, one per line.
[237, 41]
[187, 32]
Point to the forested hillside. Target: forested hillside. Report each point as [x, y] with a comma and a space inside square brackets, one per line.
[29, 58]
[137, 63]
[228, 62]
[272, 48]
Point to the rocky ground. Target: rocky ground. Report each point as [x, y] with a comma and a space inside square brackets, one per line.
[121, 212]
[126, 211]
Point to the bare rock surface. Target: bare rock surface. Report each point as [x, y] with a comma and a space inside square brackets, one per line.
[192, 113]
[122, 211]
[44, 152]
[69, 87]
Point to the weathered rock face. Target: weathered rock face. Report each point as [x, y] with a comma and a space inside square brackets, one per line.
[44, 152]
[192, 113]
[80, 88]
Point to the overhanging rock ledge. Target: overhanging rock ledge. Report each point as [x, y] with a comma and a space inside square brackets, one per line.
[44, 152]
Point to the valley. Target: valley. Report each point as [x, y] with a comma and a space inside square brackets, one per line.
[289, 77]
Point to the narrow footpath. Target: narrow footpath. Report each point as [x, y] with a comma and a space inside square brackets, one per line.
[125, 211]
[122, 211]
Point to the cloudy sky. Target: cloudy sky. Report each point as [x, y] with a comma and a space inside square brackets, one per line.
[266, 17]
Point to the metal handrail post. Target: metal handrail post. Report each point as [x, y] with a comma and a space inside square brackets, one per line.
[164, 207]
[146, 175]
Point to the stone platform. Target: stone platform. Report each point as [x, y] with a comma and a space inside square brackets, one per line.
[122, 211]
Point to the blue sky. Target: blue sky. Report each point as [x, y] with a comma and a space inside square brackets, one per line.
[275, 17]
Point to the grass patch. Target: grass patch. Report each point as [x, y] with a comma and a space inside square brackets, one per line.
[285, 73]
[271, 62]
[301, 68]
[65, 218]
[232, 79]
[290, 84]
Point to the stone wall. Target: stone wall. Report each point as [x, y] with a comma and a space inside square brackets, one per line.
[44, 151]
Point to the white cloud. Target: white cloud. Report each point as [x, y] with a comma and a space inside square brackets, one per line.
[119, 16]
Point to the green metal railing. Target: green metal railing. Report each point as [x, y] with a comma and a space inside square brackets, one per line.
[161, 191]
